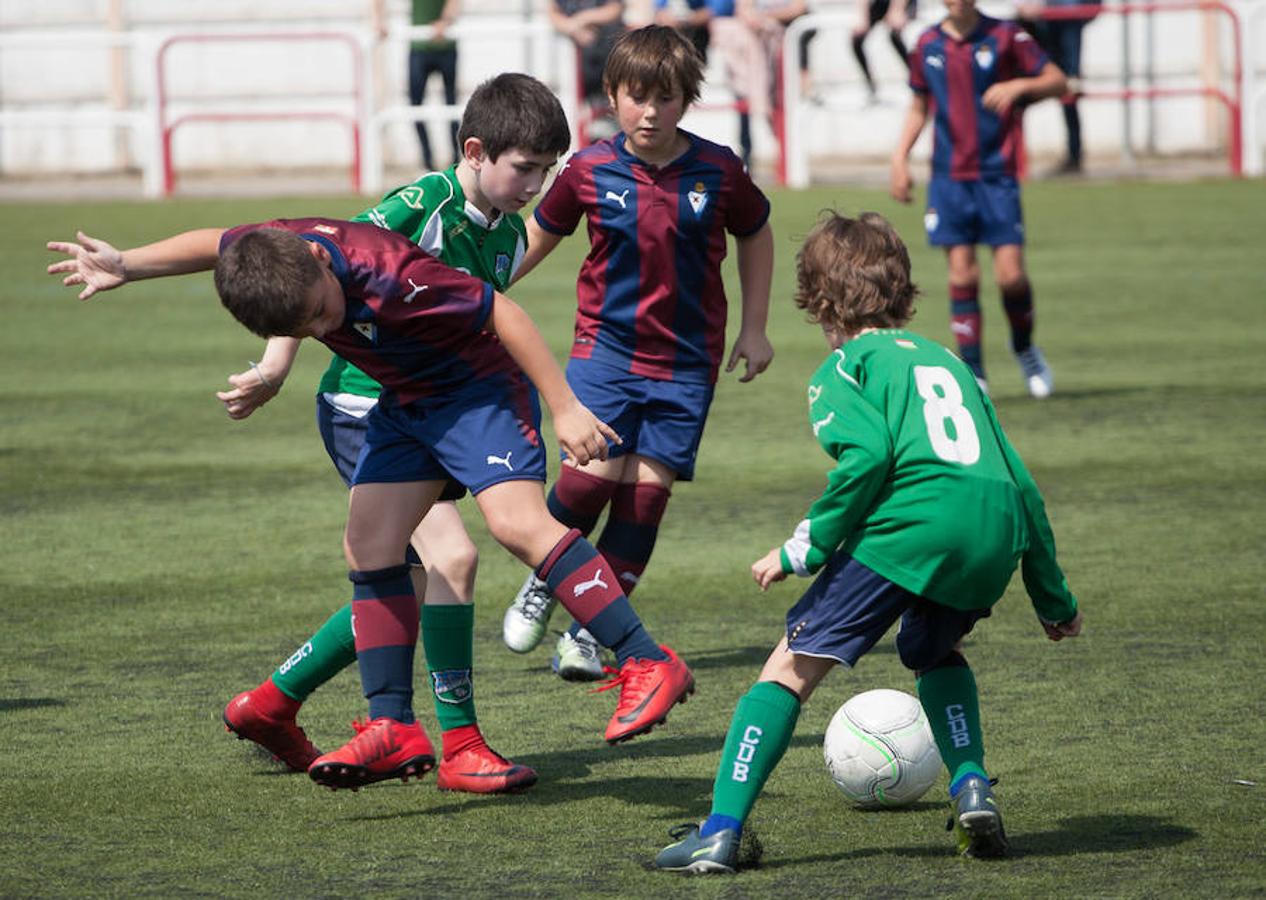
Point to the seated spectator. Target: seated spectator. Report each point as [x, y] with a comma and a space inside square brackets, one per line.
[593, 26]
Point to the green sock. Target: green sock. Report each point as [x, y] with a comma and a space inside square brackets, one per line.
[759, 735]
[320, 658]
[448, 641]
[948, 695]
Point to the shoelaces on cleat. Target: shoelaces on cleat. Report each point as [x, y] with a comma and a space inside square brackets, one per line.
[535, 602]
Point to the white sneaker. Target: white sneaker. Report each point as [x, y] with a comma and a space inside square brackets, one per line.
[1038, 376]
[578, 658]
[526, 619]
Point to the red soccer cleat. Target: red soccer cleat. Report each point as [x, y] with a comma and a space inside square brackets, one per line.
[283, 738]
[649, 688]
[481, 770]
[382, 749]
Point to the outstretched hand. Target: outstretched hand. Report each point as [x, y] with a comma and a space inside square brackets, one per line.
[93, 263]
[1057, 631]
[768, 568]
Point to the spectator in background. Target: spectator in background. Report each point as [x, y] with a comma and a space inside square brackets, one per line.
[438, 54]
[749, 37]
[895, 17]
[691, 18]
[593, 26]
[1061, 39]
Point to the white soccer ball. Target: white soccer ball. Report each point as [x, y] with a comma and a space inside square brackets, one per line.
[880, 751]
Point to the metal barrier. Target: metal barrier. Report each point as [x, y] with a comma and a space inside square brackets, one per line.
[138, 122]
[1233, 102]
[793, 162]
[545, 50]
[1254, 94]
[353, 121]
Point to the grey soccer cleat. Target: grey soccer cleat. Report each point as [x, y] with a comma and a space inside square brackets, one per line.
[717, 854]
[578, 658]
[1038, 377]
[977, 823]
[526, 620]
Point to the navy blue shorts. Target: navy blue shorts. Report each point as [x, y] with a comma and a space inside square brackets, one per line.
[344, 435]
[661, 420]
[849, 607]
[973, 212]
[485, 433]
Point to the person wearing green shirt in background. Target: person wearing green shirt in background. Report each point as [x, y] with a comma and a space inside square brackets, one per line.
[512, 133]
[438, 55]
[924, 518]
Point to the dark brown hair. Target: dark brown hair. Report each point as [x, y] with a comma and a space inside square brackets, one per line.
[854, 273]
[515, 111]
[263, 279]
[654, 57]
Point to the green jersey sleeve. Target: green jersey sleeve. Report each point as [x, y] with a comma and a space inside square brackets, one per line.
[1044, 581]
[855, 435]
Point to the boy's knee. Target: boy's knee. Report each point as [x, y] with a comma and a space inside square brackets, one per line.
[923, 650]
[920, 667]
[1012, 281]
[456, 561]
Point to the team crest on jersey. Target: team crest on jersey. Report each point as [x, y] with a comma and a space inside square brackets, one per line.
[931, 220]
[366, 330]
[411, 196]
[984, 57]
[501, 266]
[452, 685]
[698, 197]
[325, 229]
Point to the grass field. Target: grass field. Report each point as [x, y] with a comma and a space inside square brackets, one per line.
[156, 558]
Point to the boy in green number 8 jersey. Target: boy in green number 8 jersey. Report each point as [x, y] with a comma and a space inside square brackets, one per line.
[511, 134]
[923, 520]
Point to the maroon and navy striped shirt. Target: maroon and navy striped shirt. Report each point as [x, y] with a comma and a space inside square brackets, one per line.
[971, 142]
[651, 300]
[411, 322]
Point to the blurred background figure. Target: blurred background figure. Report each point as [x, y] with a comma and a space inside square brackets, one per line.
[691, 18]
[1061, 39]
[895, 15]
[593, 26]
[437, 55]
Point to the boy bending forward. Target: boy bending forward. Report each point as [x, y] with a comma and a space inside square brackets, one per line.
[923, 520]
[452, 355]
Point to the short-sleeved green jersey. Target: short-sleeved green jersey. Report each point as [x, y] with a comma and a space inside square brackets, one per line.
[433, 212]
[927, 490]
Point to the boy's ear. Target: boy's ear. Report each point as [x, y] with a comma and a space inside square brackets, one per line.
[473, 152]
[319, 253]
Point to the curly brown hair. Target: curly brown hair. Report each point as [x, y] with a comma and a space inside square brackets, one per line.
[853, 274]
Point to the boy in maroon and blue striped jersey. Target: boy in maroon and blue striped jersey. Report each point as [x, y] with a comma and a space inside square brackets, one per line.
[650, 323]
[974, 75]
[460, 365]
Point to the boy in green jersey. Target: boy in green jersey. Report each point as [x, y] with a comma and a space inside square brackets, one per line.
[511, 134]
[923, 520]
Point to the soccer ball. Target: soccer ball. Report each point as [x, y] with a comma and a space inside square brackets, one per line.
[879, 750]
